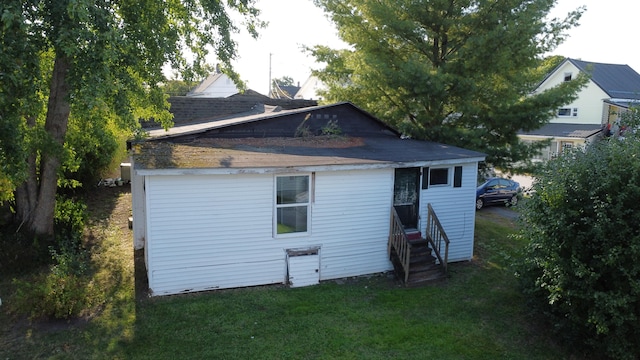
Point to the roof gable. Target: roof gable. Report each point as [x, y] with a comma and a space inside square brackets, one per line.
[618, 81]
[345, 118]
[217, 84]
[273, 140]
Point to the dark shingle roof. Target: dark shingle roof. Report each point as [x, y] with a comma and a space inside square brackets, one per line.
[566, 130]
[618, 81]
[294, 152]
[364, 141]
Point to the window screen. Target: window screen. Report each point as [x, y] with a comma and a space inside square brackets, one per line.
[292, 204]
[438, 176]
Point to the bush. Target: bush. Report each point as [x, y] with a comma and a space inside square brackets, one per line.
[65, 290]
[581, 266]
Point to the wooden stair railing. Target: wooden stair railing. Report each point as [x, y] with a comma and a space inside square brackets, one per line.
[398, 241]
[437, 237]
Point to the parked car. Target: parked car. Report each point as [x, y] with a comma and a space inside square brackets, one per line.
[497, 191]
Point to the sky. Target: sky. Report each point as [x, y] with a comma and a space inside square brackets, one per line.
[605, 34]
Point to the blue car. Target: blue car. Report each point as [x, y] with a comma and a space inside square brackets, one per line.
[497, 191]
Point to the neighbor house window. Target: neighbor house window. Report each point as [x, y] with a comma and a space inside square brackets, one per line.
[565, 112]
[575, 112]
[293, 204]
[567, 76]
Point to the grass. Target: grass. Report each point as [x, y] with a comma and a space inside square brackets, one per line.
[477, 314]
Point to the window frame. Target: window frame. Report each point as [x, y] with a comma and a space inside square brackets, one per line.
[310, 179]
[426, 177]
[567, 112]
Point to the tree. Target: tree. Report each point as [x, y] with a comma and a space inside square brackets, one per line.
[93, 62]
[581, 267]
[284, 81]
[458, 72]
[178, 87]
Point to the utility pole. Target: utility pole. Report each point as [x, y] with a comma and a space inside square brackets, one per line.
[269, 94]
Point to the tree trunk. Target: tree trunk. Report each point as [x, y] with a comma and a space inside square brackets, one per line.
[26, 193]
[36, 198]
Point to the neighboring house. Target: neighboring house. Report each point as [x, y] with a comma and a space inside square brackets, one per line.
[310, 89]
[610, 91]
[216, 85]
[283, 91]
[269, 199]
[186, 109]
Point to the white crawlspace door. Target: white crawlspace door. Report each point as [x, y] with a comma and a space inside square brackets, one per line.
[303, 267]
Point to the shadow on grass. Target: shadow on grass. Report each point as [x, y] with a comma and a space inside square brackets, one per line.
[477, 314]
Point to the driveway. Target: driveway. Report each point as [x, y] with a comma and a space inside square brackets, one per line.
[502, 211]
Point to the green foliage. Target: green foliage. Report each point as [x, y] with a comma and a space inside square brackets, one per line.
[65, 290]
[20, 252]
[284, 81]
[178, 87]
[332, 128]
[62, 293]
[460, 72]
[581, 266]
[70, 217]
[91, 146]
[77, 74]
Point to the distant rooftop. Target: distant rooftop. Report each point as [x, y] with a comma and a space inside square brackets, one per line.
[566, 130]
[618, 81]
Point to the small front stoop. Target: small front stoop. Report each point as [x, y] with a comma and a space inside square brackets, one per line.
[418, 260]
[424, 268]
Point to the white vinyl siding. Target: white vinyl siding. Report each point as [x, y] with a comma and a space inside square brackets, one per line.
[215, 231]
[351, 221]
[455, 207]
[208, 232]
[589, 99]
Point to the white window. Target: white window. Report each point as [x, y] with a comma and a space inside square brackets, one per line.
[567, 76]
[575, 112]
[564, 112]
[566, 145]
[293, 204]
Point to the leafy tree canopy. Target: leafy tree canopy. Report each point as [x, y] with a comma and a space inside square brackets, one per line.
[284, 81]
[178, 87]
[93, 64]
[458, 72]
[581, 266]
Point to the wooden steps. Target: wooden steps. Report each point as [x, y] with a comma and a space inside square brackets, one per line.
[423, 269]
[418, 260]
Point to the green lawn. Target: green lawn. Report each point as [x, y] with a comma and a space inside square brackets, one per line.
[477, 314]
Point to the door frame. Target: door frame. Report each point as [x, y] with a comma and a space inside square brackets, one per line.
[406, 195]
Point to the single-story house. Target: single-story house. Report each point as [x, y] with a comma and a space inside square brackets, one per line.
[290, 197]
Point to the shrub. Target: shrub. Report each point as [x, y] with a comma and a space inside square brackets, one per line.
[581, 266]
[65, 290]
